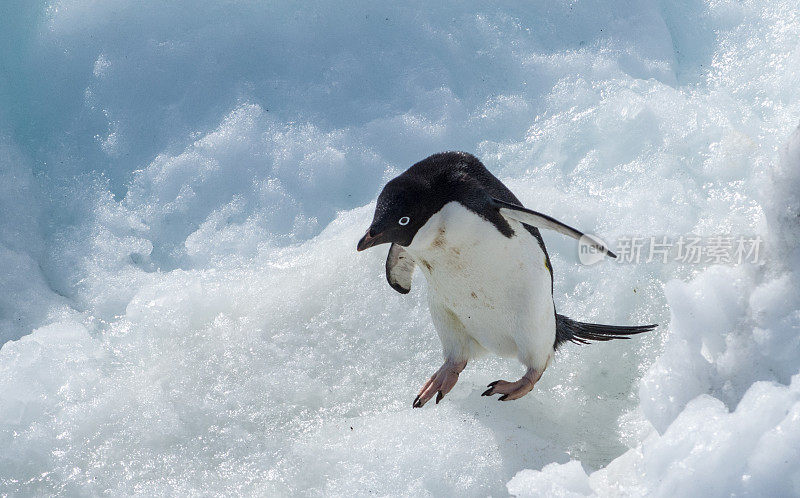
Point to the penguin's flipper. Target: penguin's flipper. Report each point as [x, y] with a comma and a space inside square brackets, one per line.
[399, 269]
[539, 220]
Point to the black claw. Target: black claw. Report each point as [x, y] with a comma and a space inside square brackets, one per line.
[487, 392]
[439, 397]
[493, 383]
[416, 403]
[503, 397]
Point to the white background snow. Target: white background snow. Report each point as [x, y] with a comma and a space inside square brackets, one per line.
[182, 184]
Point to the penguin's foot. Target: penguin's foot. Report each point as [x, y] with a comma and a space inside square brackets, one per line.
[514, 390]
[441, 382]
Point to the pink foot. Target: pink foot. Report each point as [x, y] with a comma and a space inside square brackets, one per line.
[514, 390]
[441, 382]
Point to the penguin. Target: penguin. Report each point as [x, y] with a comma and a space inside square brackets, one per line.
[490, 282]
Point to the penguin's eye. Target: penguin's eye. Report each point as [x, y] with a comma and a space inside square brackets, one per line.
[404, 220]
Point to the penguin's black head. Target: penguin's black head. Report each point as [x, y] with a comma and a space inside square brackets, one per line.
[404, 205]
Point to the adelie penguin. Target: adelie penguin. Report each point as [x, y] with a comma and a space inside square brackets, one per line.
[490, 283]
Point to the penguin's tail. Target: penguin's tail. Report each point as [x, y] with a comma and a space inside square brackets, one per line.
[581, 333]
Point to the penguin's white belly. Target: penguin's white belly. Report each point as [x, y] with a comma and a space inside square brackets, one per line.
[494, 289]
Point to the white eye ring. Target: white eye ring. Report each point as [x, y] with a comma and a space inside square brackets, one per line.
[404, 220]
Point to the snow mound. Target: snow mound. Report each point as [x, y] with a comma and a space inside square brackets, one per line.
[725, 394]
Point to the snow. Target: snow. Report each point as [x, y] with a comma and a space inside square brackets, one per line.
[182, 187]
[724, 396]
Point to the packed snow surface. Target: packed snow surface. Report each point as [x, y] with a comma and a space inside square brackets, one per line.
[182, 186]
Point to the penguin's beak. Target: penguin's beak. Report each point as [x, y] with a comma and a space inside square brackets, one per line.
[370, 239]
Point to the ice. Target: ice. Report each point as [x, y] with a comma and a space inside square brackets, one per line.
[182, 187]
[707, 449]
[27, 301]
